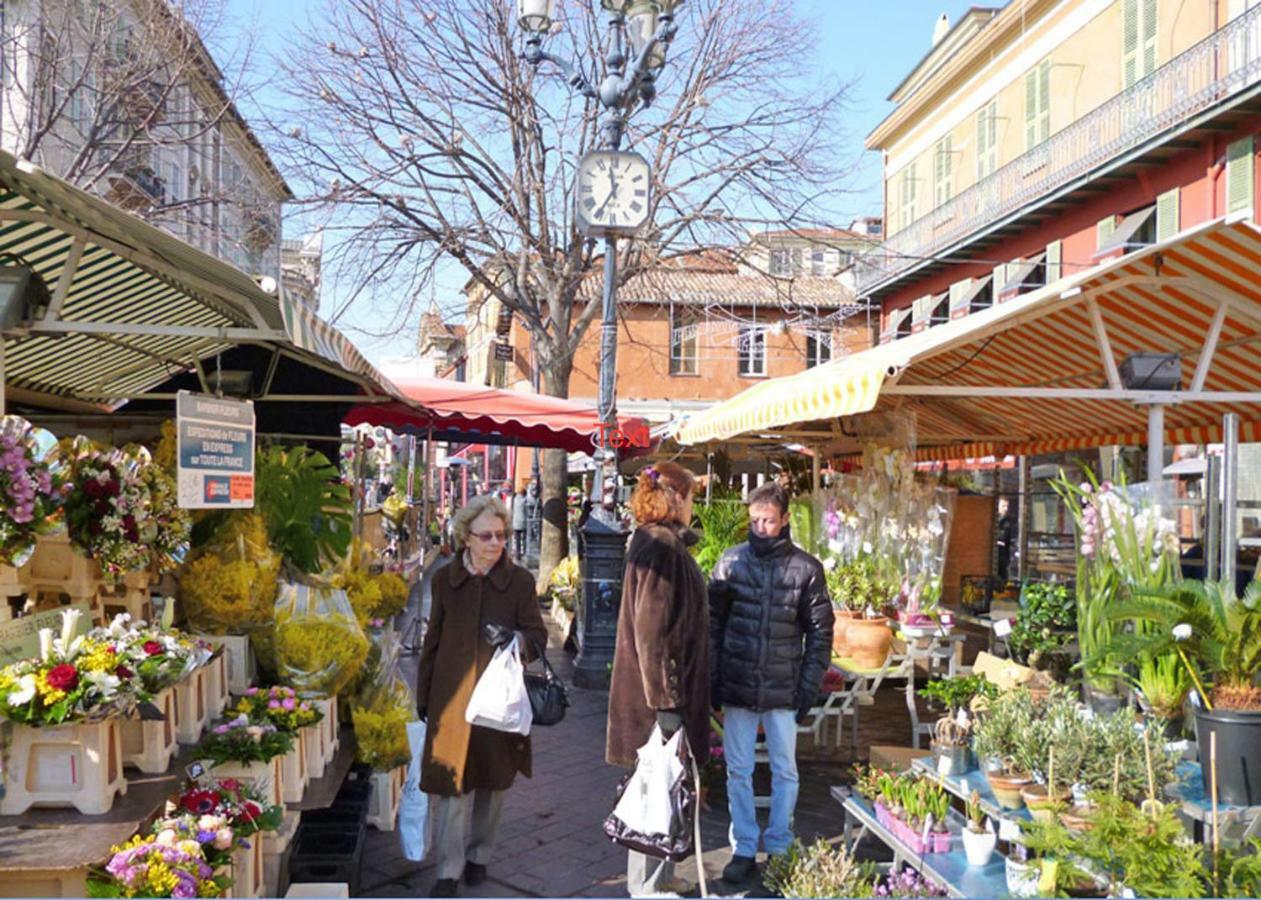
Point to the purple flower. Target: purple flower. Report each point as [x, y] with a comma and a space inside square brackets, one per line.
[273, 704]
[289, 703]
[251, 691]
[221, 729]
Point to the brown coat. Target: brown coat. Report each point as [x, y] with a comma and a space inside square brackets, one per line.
[662, 655]
[460, 757]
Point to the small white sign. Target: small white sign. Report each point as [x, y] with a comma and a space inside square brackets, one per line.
[1008, 830]
[1002, 627]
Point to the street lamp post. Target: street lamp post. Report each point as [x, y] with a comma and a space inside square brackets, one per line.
[612, 199]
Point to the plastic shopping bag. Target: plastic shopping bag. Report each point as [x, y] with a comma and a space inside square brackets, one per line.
[656, 809]
[500, 700]
[413, 810]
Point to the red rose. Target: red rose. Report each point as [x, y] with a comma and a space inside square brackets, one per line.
[153, 648]
[124, 672]
[229, 784]
[251, 811]
[129, 522]
[63, 677]
[92, 488]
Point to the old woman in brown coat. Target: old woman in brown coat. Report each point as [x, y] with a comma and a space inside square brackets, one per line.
[661, 662]
[466, 768]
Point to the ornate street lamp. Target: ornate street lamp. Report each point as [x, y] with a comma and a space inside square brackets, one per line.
[613, 196]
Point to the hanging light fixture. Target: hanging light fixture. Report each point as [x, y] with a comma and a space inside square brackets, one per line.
[535, 15]
[615, 7]
[641, 24]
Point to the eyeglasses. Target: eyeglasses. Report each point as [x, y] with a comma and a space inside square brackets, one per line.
[488, 536]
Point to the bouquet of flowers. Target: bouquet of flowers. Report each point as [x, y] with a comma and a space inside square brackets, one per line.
[381, 727]
[238, 805]
[31, 488]
[75, 678]
[239, 740]
[158, 657]
[320, 646]
[173, 525]
[161, 865]
[230, 588]
[279, 706]
[108, 509]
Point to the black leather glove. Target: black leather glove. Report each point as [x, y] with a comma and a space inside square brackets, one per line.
[669, 720]
[423, 712]
[804, 716]
[497, 635]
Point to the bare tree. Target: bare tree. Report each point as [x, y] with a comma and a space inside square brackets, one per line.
[103, 92]
[417, 125]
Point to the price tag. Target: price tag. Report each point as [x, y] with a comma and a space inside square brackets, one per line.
[1046, 878]
[1008, 830]
[961, 718]
[194, 771]
[1002, 627]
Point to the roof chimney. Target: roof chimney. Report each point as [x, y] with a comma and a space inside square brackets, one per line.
[941, 29]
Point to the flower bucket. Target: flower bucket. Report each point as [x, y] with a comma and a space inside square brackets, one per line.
[294, 772]
[1238, 753]
[329, 727]
[217, 684]
[79, 766]
[310, 736]
[57, 567]
[239, 658]
[150, 745]
[192, 711]
[387, 792]
[267, 777]
[277, 842]
[247, 870]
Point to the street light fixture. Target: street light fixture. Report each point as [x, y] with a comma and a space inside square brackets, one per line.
[612, 199]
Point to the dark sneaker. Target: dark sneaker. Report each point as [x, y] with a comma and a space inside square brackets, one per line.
[474, 873]
[445, 887]
[739, 870]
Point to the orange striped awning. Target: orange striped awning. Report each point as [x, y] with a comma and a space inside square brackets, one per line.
[1037, 374]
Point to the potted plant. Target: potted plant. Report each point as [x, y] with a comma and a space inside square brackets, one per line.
[32, 485]
[1044, 628]
[1051, 851]
[820, 870]
[1001, 745]
[1216, 635]
[1144, 850]
[979, 838]
[952, 735]
[853, 586]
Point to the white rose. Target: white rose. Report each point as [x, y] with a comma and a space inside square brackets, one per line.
[166, 837]
[210, 823]
[223, 838]
[25, 691]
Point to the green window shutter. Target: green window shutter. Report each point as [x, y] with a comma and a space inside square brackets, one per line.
[1149, 38]
[1239, 176]
[1104, 230]
[1044, 100]
[942, 181]
[1129, 42]
[982, 136]
[1054, 261]
[1031, 109]
[1167, 215]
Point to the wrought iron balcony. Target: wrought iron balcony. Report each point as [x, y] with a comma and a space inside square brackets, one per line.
[1223, 65]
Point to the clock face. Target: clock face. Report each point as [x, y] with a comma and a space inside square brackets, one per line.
[613, 193]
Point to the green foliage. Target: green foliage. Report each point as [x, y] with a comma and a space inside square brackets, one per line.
[1051, 844]
[819, 870]
[956, 693]
[1224, 639]
[857, 584]
[724, 522]
[1143, 849]
[305, 505]
[804, 523]
[1045, 624]
[1241, 869]
[1001, 732]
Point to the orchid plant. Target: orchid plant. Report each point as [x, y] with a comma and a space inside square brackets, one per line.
[31, 488]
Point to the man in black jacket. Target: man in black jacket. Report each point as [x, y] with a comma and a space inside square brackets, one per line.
[770, 633]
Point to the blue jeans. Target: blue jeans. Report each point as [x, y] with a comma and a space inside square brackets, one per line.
[739, 737]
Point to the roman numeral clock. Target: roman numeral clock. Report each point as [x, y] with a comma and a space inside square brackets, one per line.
[613, 193]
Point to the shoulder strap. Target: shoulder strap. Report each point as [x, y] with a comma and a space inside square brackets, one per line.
[696, 820]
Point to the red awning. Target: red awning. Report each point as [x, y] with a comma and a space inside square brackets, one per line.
[471, 413]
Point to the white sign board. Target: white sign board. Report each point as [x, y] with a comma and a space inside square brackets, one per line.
[216, 452]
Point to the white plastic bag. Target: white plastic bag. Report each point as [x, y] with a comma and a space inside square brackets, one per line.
[413, 809]
[499, 699]
[645, 803]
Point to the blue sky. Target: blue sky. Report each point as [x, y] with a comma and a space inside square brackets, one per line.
[873, 43]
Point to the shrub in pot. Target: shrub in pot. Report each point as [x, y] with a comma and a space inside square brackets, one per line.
[820, 870]
[979, 838]
[1217, 636]
[1001, 743]
[1143, 849]
[952, 735]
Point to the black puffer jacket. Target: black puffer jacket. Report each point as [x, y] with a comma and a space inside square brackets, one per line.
[770, 626]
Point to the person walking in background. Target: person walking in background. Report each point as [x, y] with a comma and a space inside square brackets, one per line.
[660, 663]
[465, 768]
[770, 626]
[519, 522]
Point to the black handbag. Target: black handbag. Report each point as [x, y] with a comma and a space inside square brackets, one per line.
[548, 698]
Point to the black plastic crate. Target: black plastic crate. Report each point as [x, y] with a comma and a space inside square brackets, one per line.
[327, 855]
[334, 817]
[976, 593]
[353, 798]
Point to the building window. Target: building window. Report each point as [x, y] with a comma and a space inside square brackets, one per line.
[987, 140]
[683, 355]
[906, 196]
[818, 348]
[781, 262]
[1038, 104]
[818, 262]
[943, 167]
[1138, 50]
[752, 351]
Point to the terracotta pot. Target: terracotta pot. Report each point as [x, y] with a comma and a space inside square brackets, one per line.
[840, 643]
[1042, 806]
[1076, 819]
[869, 641]
[1007, 788]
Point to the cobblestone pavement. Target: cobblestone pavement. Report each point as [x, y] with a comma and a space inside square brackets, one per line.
[551, 843]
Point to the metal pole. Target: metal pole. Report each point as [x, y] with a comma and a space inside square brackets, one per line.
[1022, 519]
[816, 475]
[1230, 496]
[709, 476]
[427, 490]
[1155, 444]
[1210, 537]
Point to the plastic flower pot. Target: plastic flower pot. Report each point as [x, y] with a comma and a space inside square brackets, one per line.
[1022, 878]
[882, 814]
[979, 846]
[941, 841]
[1238, 754]
[1006, 788]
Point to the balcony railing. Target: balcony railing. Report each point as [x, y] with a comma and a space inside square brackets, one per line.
[1218, 67]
